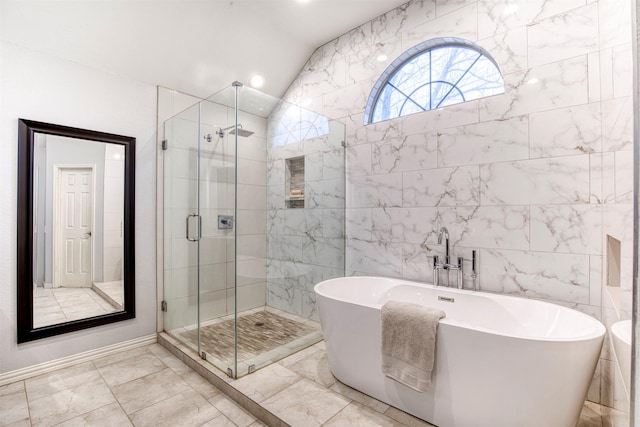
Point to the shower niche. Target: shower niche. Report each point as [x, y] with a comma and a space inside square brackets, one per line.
[294, 183]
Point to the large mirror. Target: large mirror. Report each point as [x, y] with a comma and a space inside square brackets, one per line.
[75, 229]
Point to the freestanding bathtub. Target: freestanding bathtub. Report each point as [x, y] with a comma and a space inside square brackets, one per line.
[500, 360]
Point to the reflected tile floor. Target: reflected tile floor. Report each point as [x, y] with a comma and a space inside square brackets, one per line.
[58, 305]
[148, 386]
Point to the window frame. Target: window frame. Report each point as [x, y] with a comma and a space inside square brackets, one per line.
[409, 55]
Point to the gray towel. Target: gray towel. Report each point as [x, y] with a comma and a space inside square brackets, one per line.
[409, 342]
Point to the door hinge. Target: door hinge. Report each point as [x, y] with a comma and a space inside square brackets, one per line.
[165, 144]
[163, 306]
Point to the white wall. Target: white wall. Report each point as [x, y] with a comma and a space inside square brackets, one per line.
[42, 88]
[534, 179]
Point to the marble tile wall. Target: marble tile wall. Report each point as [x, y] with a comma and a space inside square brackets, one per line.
[216, 197]
[534, 179]
[305, 239]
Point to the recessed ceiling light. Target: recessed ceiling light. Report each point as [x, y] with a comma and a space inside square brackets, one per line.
[382, 57]
[256, 81]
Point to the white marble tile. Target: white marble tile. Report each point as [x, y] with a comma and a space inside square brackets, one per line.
[602, 177]
[496, 16]
[323, 251]
[403, 18]
[359, 133]
[553, 276]
[413, 152]
[486, 142]
[328, 193]
[384, 259]
[595, 282]
[563, 36]
[593, 64]
[399, 225]
[358, 396]
[447, 6]
[417, 261]
[617, 221]
[561, 180]
[347, 101]
[62, 379]
[374, 191]
[130, 369]
[615, 22]
[606, 73]
[359, 159]
[365, 63]
[575, 229]
[314, 367]
[624, 177]
[441, 118]
[461, 23]
[305, 403]
[566, 131]
[617, 124]
[322, 75]
[358, 224]
[499, 227]
[508, 49]
[284, 247]
[622, 66]
[333, 223]
[550, 86]
[442, 187]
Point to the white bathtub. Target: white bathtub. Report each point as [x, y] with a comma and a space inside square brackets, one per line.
[500, 361]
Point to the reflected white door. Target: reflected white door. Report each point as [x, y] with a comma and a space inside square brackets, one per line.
[74, 226]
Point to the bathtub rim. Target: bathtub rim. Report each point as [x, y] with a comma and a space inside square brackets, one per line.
[598, 333]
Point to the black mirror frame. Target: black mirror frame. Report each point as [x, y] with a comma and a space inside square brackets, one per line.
[26, 131]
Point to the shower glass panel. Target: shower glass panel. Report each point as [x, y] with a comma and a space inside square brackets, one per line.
[270, 183]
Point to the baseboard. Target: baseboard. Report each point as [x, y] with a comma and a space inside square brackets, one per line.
[43, 368]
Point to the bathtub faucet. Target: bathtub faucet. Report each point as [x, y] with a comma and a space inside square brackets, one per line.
[446, 266]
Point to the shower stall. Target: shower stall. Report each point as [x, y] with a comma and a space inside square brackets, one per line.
[254, 194]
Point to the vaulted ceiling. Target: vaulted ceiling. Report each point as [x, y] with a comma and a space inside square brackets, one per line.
[196, 47]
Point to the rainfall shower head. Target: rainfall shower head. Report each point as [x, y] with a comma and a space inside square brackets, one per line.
[241, 132]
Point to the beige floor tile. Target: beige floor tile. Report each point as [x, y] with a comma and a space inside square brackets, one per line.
[221, 421]
[13, 404]
[231, 410]
[60, 380]
[315, 367]
[614, 418]
[199, 384]
[132, 368]
[107, 416]
[357, 415]
[305, 403]
[184, 409]
[148, 390]
[266, 382]
[406, 419]
[359, 397]
[67, 404]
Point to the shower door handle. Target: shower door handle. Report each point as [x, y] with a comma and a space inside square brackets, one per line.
[199, 227]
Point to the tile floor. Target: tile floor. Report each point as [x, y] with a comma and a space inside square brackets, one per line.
[58, 305]
[149, 386]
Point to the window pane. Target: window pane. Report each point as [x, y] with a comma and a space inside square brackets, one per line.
[439, 76]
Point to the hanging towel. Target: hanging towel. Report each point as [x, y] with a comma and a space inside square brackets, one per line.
[409, 342]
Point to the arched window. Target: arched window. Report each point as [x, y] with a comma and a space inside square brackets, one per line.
[433, 74]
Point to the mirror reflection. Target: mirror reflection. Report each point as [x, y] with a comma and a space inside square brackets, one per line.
[75, 231]
[78, 202]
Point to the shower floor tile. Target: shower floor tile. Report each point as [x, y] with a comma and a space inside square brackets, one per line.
[264, 336]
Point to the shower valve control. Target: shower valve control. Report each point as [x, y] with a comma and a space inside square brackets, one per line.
[225, 222]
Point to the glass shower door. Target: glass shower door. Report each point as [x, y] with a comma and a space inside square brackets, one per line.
[182, 226]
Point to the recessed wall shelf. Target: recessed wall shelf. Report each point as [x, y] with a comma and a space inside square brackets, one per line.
[294, 183]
